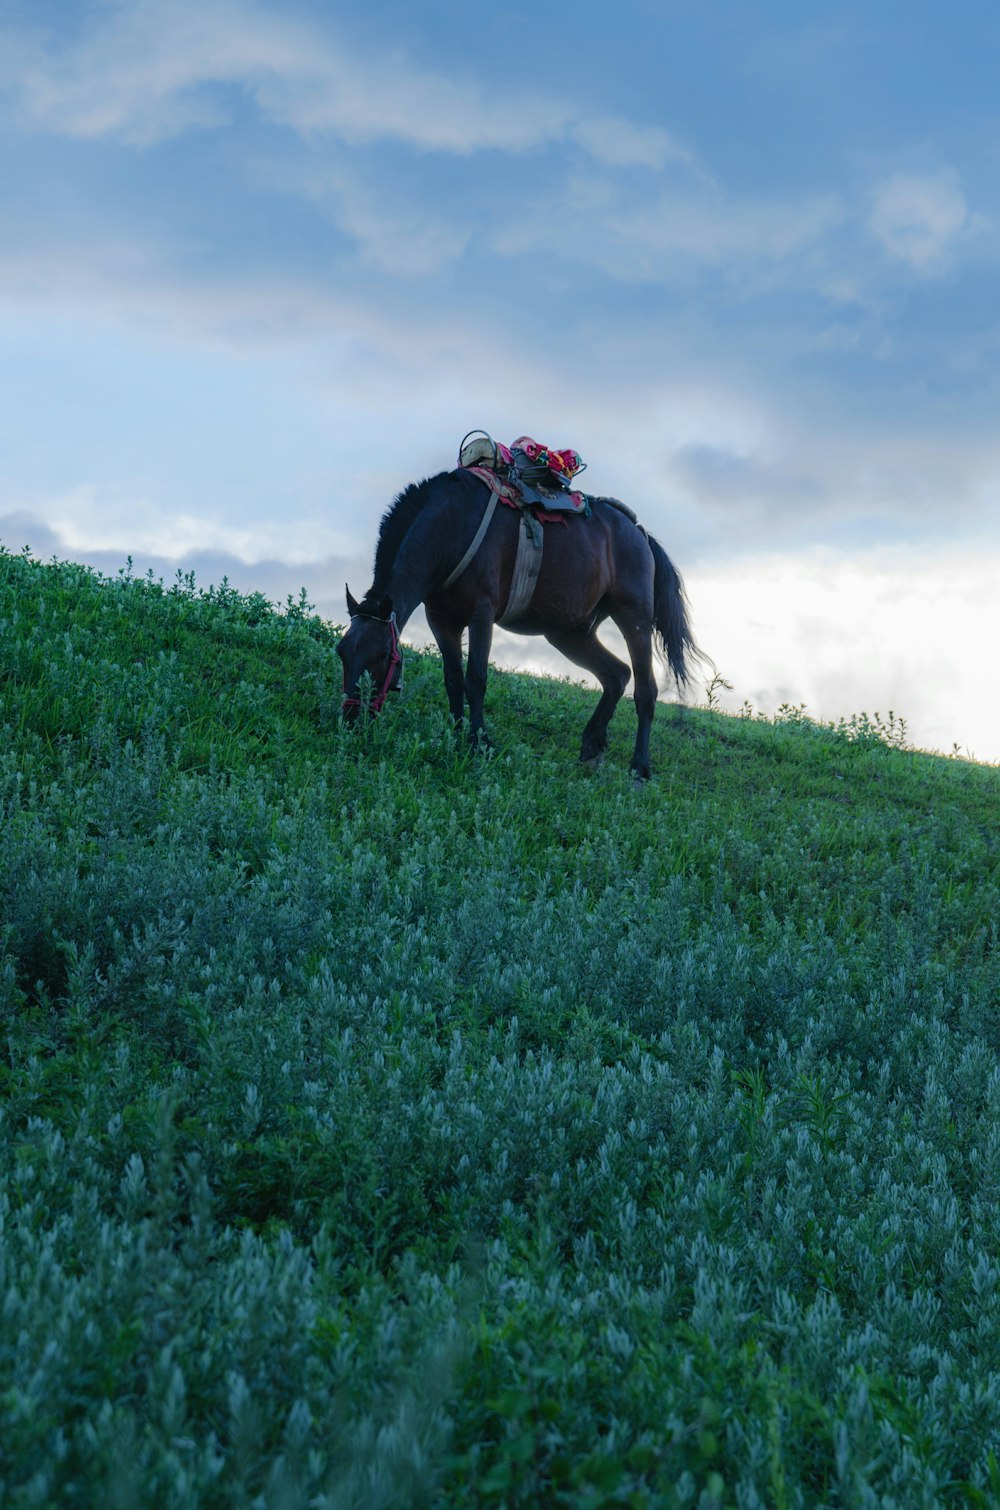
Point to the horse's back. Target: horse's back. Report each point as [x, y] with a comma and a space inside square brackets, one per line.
[589, 562]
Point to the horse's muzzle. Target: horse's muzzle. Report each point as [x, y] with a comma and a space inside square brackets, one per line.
[352, 708]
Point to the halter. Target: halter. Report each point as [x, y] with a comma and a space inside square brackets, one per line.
[395, 659]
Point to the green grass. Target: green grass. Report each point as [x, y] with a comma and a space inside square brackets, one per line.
[387, 1125]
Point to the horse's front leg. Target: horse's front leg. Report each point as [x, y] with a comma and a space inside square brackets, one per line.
[449, 641]
[480, 640]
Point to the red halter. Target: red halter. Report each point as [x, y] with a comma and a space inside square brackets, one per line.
[395, 659]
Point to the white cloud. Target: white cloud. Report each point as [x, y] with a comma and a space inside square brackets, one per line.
[911, 630]
[715, 231]
[654, 239]
[105, 277]
[918, 219]
[150, 69]
[89, 521]
[210, 554]
[620, 144]
[397, 233]
[136, 76]
[727, 460]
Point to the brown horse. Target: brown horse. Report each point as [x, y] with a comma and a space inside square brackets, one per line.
[603, 566]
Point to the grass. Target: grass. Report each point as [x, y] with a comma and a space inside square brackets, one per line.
[383, 1125]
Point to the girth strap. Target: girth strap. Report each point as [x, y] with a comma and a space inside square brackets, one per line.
[527, 565]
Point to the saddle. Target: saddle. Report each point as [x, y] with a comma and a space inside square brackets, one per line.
[526, 475]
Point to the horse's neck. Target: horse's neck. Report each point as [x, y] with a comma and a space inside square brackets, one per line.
[413, 573]
[417, 566]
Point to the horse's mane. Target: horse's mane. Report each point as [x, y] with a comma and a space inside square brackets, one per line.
[395, 527]
[400, 517]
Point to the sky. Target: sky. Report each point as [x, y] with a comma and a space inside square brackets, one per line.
[262, 265]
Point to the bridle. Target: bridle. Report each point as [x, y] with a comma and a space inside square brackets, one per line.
[395, 661]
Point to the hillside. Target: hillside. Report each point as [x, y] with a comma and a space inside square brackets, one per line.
[386, 1125]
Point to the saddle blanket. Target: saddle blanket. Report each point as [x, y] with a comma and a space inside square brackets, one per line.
[514, 499]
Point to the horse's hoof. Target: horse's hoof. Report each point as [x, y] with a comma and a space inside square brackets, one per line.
[593, 760]
[641, 772]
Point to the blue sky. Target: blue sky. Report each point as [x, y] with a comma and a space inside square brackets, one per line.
[262, 265]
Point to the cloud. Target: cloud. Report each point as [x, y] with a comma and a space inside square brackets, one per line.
[402, 244]
[322, 577]
[395, 231]
[910, 630]
[717, 230]
[619, 144]
[151, 69]
[720, 477]
[134, 77]
[799, 481]
[636, 237]
[376, 393]
[153, 287]
[917, 220]
[112, 522]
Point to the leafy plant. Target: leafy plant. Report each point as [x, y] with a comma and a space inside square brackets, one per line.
[385, 1124]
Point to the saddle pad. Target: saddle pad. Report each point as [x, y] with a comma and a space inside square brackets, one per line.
[514, 499]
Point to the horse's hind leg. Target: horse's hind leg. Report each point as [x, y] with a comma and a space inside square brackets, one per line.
[583, 648]
[639, 639]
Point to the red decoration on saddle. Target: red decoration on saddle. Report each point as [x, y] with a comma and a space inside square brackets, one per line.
[564, 463]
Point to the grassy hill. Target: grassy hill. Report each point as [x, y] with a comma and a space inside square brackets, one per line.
[384, 1125]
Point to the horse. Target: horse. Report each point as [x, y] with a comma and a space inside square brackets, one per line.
[602, 566]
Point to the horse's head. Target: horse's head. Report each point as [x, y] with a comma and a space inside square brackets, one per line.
[371, 644]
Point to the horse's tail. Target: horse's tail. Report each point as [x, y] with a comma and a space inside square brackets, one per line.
[671, 622]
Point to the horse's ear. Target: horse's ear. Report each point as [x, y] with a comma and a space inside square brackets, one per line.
[352, 604]
[385, 608]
